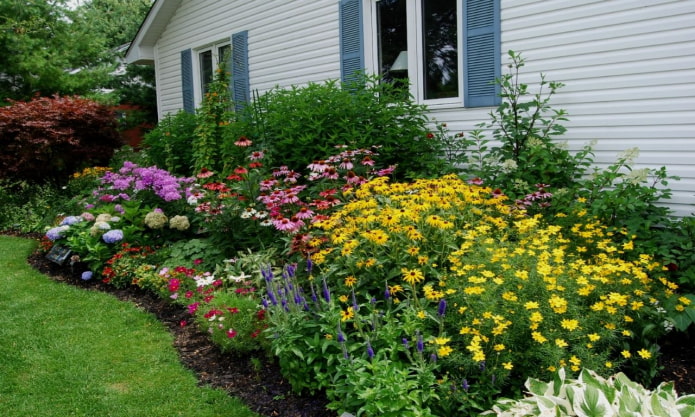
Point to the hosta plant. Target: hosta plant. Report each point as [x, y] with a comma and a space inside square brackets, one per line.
[591, 395]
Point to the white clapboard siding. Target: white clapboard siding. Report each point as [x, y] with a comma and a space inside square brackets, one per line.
[628, 67]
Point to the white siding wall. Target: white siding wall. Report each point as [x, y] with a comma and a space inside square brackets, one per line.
[628, 66]
[290, 42]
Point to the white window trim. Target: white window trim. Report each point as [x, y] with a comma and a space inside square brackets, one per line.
[197, 71]
[415, 60]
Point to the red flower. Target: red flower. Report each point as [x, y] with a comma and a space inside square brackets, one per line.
[231, 333]
[240, 170]
[233, 310]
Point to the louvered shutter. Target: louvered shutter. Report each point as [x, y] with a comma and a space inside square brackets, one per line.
[187, 81]
[481, 52]
[351, 39]
[240, 70]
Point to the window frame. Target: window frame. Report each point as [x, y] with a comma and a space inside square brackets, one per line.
[415, 43]
[214, 48]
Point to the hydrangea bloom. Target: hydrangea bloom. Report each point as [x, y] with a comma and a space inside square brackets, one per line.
[87, 275]
[113, 236]
[156, 219]
[70, 220]
[57, 232]
[179, 223]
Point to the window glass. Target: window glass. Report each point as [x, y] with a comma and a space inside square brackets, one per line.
[392, 27]
[440, 49]
[224, 53]
[206, 70]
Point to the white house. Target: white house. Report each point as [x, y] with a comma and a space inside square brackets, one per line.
[628, 65]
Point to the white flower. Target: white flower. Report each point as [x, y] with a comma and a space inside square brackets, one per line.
[239, 278]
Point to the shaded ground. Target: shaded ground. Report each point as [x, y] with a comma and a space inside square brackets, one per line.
[262, 387]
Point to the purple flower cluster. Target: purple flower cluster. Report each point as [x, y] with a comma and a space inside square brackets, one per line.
[131, 177]
[56, 233]
[113, 236]
[70, 220]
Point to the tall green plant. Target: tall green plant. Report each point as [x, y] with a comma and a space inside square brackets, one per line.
[169, 144]
[524, 127]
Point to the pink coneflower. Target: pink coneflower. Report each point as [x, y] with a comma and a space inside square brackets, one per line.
[234, 177]
[205, 173]
[331, 174]
[475, 181]
[386, 171]
[267, 185]
[255, 156]
[288, 225]
[318, 166]
[367, 161]
[243, 142]
[254, 165]
[304, 213]
[240, 170]
[279, 172]
[328, 193]
[352, 178]
[346, 164]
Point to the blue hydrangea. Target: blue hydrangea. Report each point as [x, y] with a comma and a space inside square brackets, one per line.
[70, 220]
[87, 275]
[113, 236]
[56, 233]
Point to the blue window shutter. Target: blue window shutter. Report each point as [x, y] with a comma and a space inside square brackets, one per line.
[481, 51]
[241, 86]
[187, 80]
[351, 39]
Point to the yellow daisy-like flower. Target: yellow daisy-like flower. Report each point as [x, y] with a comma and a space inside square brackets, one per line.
[538, 337]
[558, 304]
[412, 276]
[626, 354]
[413, 250]
[684, 300]
[444, 351]
[608, 365]
[531, 305]
[508, 366]
[644, 353]
[569, 324]
[594, 337]
[343, 298]
[347, 314]
[499, 347]
[350, 281]
[441, 340]
[627, 333]
[421, 314]
[561, 343]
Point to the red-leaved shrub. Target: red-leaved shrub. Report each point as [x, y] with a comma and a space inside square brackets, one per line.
[48, 138]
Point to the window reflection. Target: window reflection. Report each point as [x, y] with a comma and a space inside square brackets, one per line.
[393, 38]
[439, 22]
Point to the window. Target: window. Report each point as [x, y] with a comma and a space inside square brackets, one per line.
[209, 59]
[418, 41]
[447, 50]
[198, 70]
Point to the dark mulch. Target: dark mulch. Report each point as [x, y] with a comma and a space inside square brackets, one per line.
[262, 388]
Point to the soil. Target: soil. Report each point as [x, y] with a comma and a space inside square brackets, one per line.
[262, 386]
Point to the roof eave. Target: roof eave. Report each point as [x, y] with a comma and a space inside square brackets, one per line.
[141, 50]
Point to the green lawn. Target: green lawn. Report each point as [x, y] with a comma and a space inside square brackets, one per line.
[70, 352]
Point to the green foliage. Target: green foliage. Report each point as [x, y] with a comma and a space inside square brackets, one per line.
[297, 123]
[524, 127]
[592, 395]
[212, 117]
[169, 144]
[50, 138]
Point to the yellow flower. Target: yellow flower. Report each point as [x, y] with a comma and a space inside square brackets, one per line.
[444, 351]
[575, 360]
[530, 305]
[594, 337]
[413, 250]
[499, 347]
[626, 354]
[350, 281]
[508, 366]
[441, 340]
[561, 343]
[329, 336]
[684, 300]
[558, 304]
[627, 333]
[644, 353]
[343, 298]
[538, 337]
[609, 365]
[347, 314]
[412, 276]
[569, 324]
[421, 314]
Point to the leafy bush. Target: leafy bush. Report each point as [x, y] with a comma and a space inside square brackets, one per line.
[524, 128]
[50, 138]
[168, 145]
[296, 124]
[497, 294]
[592, 395]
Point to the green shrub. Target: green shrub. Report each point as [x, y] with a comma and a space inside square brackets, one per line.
[168, 145]
[592, 395]
[50, 138]
[298, 123]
